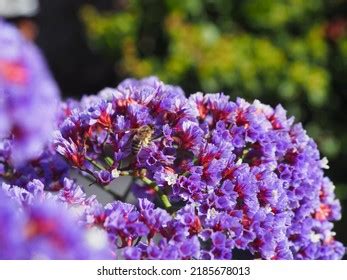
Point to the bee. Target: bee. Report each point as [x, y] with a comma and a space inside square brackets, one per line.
[142, 138]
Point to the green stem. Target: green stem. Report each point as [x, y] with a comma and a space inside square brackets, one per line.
[163, 197]
[109, 161]
[125, 173]
[96, 164]
[147, 181]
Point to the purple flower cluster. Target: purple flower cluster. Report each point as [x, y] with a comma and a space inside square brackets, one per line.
[29, 104]
[228, 176]
[49, 168]
[146, 232]
[143, 233]
[273, 182]
[28, 98]
[212, 177]
[37, 225]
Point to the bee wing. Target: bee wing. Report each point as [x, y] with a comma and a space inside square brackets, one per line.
[126, 130]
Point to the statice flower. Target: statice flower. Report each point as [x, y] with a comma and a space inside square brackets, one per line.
[134, 232]
[101, 136]
[224, 177]
[37, 226]
[49, 168]
[145, 232]
[275, 179]
[28, 98]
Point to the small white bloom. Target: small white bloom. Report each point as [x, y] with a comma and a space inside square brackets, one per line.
[170, 178]
[315, 237]
[268, 209]
[332, 233]
[115, 173]
[324, 163]
[275, 194]
[211, 213]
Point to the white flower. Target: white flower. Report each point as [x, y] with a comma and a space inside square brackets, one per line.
[324, 163]
[211, 213]
[170, 178]
[275, 194]
[115, 173]
[315, 237]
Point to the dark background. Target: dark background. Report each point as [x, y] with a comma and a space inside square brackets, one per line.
[76, 68]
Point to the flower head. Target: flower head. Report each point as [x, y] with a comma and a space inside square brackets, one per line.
[28, 96]
[237, 176]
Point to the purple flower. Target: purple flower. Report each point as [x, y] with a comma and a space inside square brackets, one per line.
[28, 95]
[45, 230]
[49, 167]
[104, 177]
[71, 193]
[230, 176]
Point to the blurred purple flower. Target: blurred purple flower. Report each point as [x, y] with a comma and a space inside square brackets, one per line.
[28, 96]
[44, 229]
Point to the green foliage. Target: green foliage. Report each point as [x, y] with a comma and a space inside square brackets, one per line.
[292, 52]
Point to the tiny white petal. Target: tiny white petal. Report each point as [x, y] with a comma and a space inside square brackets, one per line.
[324, 163]
[275, 194]
[315, 237]
[115, 173]
[170, 178]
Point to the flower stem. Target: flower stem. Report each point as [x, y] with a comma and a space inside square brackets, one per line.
[96, 164]
[125, 173]
[109, 161]
[163, 197]
[105, 189]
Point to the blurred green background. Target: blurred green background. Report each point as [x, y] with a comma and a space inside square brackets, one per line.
[292, 52]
